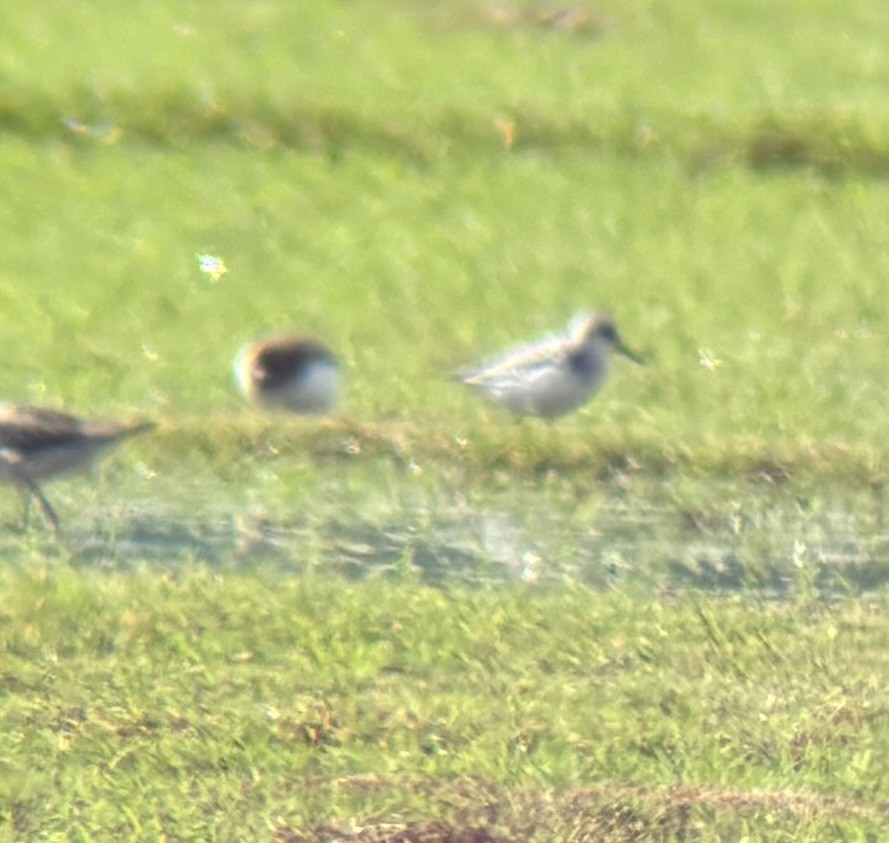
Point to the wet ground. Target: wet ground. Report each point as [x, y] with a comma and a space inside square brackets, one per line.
[666, 533]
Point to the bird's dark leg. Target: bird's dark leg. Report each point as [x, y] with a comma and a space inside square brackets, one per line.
[46, 507]
[26, 510]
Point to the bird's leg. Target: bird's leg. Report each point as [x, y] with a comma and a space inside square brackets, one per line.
[46, 507]
[26, 510]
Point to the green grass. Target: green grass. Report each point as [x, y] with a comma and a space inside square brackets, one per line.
[658, 618]
[778, 280]
[375, 202]
[233, 705]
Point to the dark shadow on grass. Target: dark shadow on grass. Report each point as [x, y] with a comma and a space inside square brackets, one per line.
[820, 141]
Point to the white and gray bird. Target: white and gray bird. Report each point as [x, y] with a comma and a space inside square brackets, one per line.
[555, 375]
[289, 372]
[38, 444]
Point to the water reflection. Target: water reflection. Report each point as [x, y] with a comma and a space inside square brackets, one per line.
[700, 536]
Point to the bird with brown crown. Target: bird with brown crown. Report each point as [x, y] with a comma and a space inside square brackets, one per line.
[294, 373]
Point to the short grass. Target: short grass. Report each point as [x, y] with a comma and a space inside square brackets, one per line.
[722, 210]
[231, 706]
[419, 617]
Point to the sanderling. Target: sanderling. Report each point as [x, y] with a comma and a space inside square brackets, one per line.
[37, 443]
[555, 375]
[294, 373]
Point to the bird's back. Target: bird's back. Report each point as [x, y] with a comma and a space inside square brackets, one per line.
[45, 442]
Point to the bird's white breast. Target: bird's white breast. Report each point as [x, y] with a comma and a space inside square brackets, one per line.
[312, 390]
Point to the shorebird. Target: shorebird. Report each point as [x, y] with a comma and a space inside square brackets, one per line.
[37, 443]
[294, 373]
[554, 375]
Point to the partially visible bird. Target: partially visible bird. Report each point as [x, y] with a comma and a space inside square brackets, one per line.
[37, 444]
[555, 375]
[295, 373]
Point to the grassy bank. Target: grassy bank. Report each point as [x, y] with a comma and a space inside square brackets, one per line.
[758, 302]
[726, 212]
[223, 706]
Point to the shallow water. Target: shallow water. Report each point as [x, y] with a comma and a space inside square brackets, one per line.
[664, 533]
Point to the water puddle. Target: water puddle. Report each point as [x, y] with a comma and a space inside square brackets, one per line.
[662, 534]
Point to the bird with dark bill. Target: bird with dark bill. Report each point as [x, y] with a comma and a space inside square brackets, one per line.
[38, 444]
[553, 376]
[294, 373]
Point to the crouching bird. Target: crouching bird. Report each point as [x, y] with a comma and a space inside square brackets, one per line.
[291, 372]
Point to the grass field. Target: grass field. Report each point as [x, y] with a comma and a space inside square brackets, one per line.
[246, 706]
[662, 617]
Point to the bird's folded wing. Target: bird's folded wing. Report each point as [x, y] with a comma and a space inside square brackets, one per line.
[523, 363]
